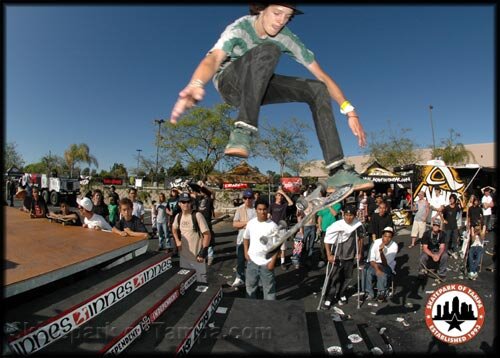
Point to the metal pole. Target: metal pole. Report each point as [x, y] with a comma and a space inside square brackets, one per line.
[138, 157]
[432, 127]
[159, 121]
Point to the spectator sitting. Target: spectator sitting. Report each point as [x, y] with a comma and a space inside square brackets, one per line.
[434, 247]
[90, 219]
[129, 224]
[65, 214]
[35, 205]
[476, 250]
[381, 264]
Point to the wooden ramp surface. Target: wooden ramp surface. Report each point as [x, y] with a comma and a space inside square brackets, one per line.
[38, 252]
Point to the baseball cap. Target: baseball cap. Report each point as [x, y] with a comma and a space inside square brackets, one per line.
[184, 197]
[388, 229]
[351, 209]
[436, 222]
[248, 193]
[85, 203]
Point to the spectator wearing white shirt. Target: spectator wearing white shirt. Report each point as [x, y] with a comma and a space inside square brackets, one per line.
[90, 219]
[258, 267]
[381, 264]
[437, 203]
[487, 204]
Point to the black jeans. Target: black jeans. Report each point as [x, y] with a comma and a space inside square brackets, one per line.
[250, 82]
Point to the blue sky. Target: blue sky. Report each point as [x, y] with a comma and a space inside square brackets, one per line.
[101, 75]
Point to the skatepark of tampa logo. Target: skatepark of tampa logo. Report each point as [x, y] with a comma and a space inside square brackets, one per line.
[454, 313]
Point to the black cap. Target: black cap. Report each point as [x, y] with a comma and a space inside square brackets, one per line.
[184, 197]
[256, 7]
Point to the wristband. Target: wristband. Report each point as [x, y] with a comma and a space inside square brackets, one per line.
[196, 84]
[346, 107]
[203, 252]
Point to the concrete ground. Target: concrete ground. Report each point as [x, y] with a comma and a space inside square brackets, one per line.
[402, 315]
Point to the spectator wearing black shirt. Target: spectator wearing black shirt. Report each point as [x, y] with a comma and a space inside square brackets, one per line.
[65, 213]
[379, 221]
[449, 215]
[474, 213]
[35, 205]
[129, 225]
[277, 212]
[434, 247]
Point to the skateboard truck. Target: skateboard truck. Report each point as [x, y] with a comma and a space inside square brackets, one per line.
[315, 198]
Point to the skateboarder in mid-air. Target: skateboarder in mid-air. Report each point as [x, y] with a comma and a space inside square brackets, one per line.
[242, 64]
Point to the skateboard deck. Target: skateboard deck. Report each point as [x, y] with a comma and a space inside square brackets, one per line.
[62, 221]
[318, 203]
[432, 274]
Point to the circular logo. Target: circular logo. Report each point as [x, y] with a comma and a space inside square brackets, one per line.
[454, 313]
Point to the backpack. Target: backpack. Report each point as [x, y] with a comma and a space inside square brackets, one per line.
[196, 227]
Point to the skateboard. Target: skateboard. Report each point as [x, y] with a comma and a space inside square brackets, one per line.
[432, 274]
[317, 202]
[64, 222]
[464, 250]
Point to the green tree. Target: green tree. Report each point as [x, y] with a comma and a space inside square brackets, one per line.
[12, 157]
[39, 167]
[392, 149]
[54, 164]
[78, 153]
[118, 170]
[177, 170]
[287, 145]
[199, 138]
[452, 151]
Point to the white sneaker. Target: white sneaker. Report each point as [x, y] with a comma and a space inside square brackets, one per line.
[238, 282]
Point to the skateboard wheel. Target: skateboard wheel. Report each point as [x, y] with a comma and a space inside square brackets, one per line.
[301, 203]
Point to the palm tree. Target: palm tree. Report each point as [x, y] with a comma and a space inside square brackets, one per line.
[78, 153]
[453, 152]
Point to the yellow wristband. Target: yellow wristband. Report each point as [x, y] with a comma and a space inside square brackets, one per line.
[346, 107]
[344, 104]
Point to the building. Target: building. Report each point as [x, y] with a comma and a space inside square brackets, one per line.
[484, 153]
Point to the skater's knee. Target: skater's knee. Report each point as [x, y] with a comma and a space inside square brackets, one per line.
[318, 87]
[269, 48]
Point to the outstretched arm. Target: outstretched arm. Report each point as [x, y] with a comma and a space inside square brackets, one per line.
[194, 91]
[337, 94]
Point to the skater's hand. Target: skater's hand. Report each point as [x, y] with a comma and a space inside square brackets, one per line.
[331, 259]
[357, 128]
[188, 98]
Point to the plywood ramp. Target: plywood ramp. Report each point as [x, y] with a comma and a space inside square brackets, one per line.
[38, 252]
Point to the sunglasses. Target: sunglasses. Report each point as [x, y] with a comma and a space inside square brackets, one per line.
[247, 197]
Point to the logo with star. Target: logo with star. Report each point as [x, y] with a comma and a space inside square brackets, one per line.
[454, 313]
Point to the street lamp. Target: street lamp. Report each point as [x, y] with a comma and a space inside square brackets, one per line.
[432, 127]
[138, 157]
[159, 122]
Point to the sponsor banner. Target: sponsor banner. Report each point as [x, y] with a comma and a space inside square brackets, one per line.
[235, 185]
[141, 325]
[193, 335]
[40, 336]
[446, 178]
[112, 181]
[384, 180]
[291, 185]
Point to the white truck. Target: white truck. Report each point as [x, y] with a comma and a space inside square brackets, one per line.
[53, 189]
